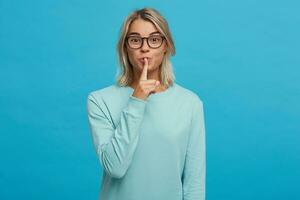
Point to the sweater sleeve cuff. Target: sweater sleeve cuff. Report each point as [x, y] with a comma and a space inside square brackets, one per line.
[136, 105]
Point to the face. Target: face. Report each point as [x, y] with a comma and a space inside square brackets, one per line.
[155, 56]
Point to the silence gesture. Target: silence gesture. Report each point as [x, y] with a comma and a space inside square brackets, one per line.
[145, 87]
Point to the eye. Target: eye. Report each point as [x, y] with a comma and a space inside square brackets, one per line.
[155, 39]
[134, 39]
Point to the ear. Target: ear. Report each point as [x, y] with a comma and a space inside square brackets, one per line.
[165, 48]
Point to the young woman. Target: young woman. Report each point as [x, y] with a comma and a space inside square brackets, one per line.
[148, 131]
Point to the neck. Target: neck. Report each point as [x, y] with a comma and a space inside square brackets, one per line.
[154, 75]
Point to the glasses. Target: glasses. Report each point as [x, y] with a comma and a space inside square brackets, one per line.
[153, 41]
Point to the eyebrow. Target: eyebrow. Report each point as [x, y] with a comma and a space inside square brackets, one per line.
[136, 33]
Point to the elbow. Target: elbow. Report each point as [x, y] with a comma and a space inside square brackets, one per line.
[113, 169]
[115, 172]
[112, 165]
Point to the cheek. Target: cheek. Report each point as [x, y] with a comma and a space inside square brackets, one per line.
[131, 56]
[159, 57]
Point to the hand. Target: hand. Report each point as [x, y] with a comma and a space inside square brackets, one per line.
[145, 87]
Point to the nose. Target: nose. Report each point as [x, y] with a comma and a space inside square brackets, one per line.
[145, 46]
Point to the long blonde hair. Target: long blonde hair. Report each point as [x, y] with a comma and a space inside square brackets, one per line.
[125, 75]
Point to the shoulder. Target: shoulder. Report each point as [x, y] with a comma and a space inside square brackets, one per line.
[105, 92]
[189, 95]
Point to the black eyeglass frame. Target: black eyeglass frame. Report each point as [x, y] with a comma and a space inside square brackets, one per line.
[147, 39]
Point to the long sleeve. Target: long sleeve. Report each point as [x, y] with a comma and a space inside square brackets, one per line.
[115, 144]
[194, 173]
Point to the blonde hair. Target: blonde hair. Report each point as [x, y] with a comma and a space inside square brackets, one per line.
[125, 76]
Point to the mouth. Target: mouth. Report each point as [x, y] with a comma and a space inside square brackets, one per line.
[142, 59]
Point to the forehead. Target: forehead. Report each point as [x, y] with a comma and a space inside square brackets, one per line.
[142, 27]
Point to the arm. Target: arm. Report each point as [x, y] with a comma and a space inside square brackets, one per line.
[194, 173]
[115, 146]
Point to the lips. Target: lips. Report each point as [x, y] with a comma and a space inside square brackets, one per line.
[142, 59]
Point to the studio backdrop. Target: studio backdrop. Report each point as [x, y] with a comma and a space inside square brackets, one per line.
[240, 57]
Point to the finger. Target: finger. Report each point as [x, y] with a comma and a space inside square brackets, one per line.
[151, 88]
[145, 69]
[149, 82]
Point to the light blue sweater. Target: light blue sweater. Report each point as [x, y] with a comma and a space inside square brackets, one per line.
[151, 149]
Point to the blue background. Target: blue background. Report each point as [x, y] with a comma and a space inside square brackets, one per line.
[240, 57]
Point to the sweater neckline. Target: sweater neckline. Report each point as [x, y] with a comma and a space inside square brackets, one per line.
[155, 95]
